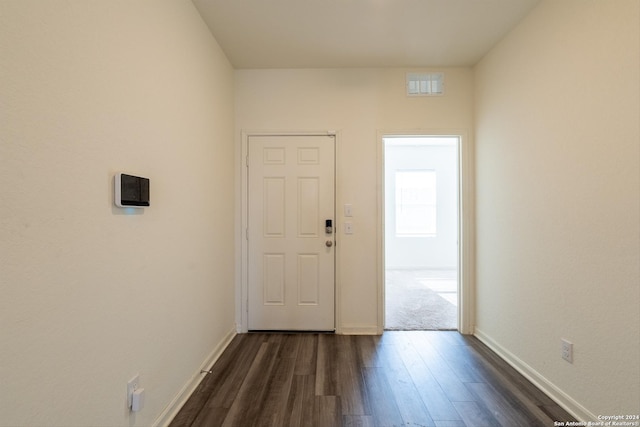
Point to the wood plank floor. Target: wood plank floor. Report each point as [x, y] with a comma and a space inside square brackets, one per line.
[418, 378]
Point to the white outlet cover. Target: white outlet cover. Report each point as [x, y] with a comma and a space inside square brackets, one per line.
[137, 403]
[132, 385]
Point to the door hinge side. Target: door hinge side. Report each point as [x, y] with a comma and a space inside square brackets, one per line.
[246, 233]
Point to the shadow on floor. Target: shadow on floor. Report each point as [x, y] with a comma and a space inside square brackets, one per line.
[421, 300]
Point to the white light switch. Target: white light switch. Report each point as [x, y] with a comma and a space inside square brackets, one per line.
[347, 210]
[348, 228]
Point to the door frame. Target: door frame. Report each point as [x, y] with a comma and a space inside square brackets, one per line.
[466, 297]
[242, 294]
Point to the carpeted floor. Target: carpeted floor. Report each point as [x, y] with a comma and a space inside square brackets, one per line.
[421, 300]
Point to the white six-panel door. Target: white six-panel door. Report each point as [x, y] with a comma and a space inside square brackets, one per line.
[291, 187]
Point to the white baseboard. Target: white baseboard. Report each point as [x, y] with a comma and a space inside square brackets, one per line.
[546, 386]
[420, 267]
[181, 398]
[358, 330]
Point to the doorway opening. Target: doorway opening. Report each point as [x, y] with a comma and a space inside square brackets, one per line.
[421, 232]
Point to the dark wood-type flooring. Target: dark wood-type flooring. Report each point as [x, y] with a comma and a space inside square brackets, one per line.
[425, 378]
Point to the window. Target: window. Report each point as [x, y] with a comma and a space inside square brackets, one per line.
[416, 203]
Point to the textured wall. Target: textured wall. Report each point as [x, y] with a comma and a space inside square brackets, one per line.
[92, 294]
[558, 212]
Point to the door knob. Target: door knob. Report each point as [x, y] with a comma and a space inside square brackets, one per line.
[329, 243]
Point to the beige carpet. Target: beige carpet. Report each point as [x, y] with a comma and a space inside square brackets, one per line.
[421, 300]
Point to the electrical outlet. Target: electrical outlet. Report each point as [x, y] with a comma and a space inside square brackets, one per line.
[567, 350]
[132, 386]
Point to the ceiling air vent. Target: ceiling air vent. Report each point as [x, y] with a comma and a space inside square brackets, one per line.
[426, 84]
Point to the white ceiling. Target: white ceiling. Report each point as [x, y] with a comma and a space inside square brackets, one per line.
[359, 33]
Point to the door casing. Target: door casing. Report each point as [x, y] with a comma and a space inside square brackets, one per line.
[465, 227]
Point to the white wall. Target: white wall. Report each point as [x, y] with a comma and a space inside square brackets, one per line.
[439, 251]
[91, 294]
[357, 103]
[558, 180]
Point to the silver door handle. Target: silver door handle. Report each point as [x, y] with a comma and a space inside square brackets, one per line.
[329, 243]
